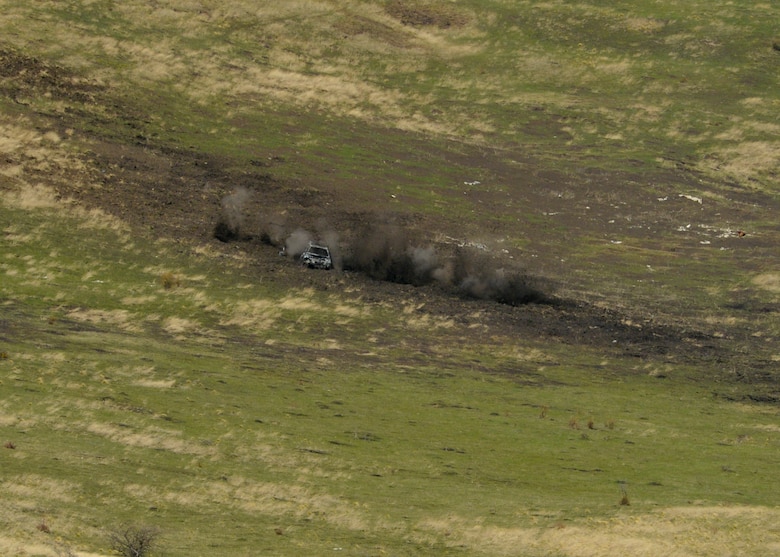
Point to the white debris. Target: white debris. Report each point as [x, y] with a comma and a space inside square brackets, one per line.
[466, 243]
[692, 198]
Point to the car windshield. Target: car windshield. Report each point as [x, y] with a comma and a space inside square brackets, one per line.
[319, 250]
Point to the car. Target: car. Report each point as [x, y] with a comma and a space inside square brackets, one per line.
[317, 256]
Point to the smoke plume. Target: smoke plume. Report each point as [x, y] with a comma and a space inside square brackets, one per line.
[272, 229]
[476, 275]
[297, 242]
[232, 218]
[386, 253]
[331, 239]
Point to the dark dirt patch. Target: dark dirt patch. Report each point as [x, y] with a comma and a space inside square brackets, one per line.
[23, 77]
[426, 14]
[352, 26]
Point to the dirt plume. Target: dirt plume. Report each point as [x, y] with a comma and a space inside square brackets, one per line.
[388, 253]
[477, 275]
[232, 218]
[382, 252]
[297, 242]
[272, 229]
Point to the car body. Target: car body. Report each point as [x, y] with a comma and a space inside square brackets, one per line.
[317, 256]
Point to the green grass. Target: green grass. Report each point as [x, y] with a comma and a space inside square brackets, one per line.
[601, 75]
[229, 412]
[220, 434]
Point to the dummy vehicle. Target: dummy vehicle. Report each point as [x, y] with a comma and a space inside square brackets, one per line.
[317, 256]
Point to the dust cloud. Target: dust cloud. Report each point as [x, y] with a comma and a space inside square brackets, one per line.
[389, 252]
[232, 218]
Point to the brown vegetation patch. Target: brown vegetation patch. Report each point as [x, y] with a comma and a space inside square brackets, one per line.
[353, 25]
[426, 14]
[22, 75]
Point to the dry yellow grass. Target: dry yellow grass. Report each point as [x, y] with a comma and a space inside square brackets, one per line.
[427, 322]
[263, 498]
[138, 300]
[527, 354]
[24, 546]
[749, 158]
[416, 319]
[28, 506]
[643, 24]
[179, 325]
[29, 152]
[256, 314]
[289, 75]
[120, 318]
[768, 281]
[679, 532]
[31, 196]
[327, 73]
[150, 438]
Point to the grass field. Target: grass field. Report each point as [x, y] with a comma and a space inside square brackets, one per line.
[151, 376]
[583, 82]
[222, 411]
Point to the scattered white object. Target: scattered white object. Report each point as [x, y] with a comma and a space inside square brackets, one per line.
[472, 183]
[692, 198]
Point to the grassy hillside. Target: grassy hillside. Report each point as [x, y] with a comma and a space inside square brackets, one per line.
[582, 83]
[149, 386]
[623, 158]
[560, 130]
